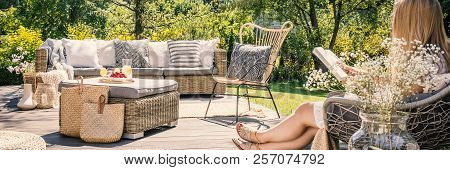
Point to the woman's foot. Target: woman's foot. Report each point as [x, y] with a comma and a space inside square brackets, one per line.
[247, 134]
[244, 145]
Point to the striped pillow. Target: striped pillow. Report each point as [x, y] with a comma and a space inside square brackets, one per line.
[184, 53]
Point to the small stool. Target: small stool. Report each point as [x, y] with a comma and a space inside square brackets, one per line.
[21, 141]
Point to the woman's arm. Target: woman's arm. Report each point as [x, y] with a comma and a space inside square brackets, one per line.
[352, 71]
[417, 89]
[349, 69]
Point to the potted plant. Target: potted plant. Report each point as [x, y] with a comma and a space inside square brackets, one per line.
[384, 84]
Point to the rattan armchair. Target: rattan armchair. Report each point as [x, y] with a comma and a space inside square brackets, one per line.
[429, 121]
[261, 36]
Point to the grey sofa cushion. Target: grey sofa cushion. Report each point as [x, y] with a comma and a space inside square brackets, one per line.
[136, 71]
[86, 72]
[140, 88]
[184, 71]
[148, 71]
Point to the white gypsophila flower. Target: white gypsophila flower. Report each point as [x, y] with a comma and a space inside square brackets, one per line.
[19, 48]
[388, 79]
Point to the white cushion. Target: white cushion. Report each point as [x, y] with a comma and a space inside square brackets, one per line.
[81, 53]
[106, 53]
[207, 49]
[158, 54]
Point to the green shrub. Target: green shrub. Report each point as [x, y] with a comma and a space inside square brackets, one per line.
[80, 31]
[20, 42]
[8, 22]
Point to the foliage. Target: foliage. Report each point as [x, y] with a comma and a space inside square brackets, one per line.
[176, 20]
[119, 23]
[340, 25]
[80, 32]
[53, 17]
[22, 42]
[8, 22]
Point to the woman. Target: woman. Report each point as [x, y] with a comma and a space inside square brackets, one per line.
[412, 20]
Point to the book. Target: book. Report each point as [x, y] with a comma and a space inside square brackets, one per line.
[330, 60]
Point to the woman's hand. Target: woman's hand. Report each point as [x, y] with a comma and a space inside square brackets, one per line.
[348, 69]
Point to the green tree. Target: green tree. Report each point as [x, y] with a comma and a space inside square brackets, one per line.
[8, 21]
[53, 17]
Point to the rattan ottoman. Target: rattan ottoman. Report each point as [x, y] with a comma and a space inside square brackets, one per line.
[10, 140]
[148, 113]
[148, 103]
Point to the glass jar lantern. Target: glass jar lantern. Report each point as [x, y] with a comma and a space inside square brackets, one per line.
[126, 68]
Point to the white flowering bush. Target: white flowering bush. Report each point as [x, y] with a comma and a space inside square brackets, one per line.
[320, 80]
[387, 80]
[325, 80]
[19, 65]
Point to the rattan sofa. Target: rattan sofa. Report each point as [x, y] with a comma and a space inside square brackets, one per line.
[429, 121]
[188, 82]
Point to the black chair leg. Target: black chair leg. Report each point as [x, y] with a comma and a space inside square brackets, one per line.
[210, 99]
[273, 101]
[248, 98]
[237, 104]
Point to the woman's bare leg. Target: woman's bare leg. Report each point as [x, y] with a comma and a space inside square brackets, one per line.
[298, 143]
[292, 127]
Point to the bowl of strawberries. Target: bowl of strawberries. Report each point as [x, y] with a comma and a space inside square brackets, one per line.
[118, 77]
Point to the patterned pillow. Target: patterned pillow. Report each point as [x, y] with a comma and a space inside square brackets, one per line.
[249, 61]
[131, 50]
[184, 53]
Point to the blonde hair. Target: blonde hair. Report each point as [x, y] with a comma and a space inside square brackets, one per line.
[420, 20]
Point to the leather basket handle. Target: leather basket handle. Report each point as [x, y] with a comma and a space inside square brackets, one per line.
[101, 104]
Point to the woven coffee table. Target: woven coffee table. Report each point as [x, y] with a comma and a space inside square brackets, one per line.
[148, 103]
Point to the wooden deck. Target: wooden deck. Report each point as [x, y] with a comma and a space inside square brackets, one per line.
[191, 133]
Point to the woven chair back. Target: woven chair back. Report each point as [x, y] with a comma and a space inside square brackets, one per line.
[273, 37]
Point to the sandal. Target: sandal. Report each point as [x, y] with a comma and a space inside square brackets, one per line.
[247, 145]
[246, 133]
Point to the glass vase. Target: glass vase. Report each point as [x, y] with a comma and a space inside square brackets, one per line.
[378, 133]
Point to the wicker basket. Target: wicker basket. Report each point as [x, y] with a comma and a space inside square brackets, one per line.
[41, 60]
[46, 96]
[102, 123]
[33, 79]
[72, 101]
